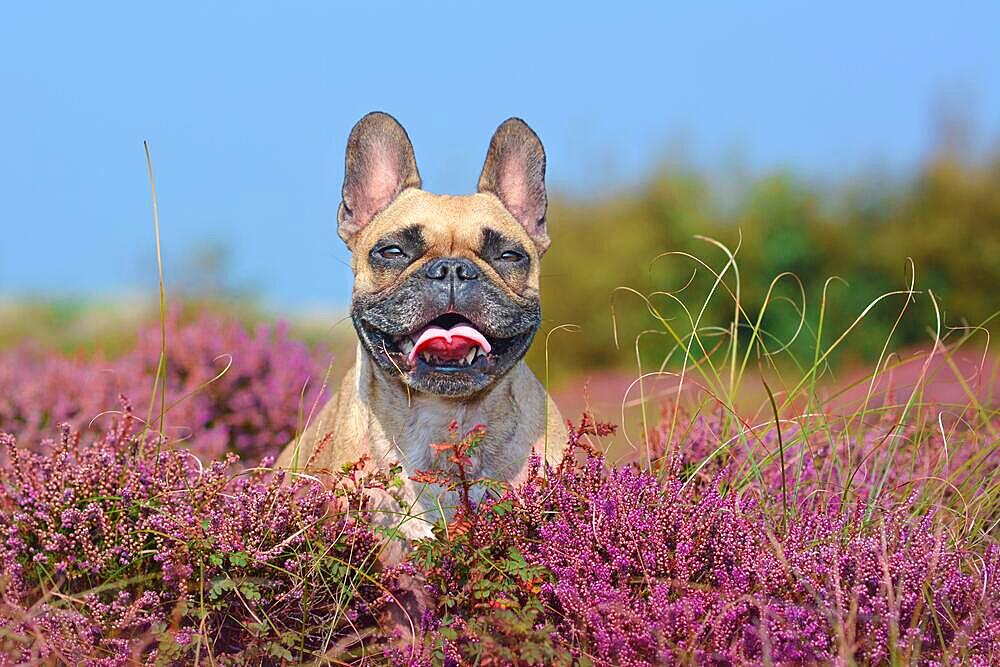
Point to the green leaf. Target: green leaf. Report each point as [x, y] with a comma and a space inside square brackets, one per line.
[220, 585]
[239, 559]
[503, 507]
[515, 555]
[250, 591]
[279, 651]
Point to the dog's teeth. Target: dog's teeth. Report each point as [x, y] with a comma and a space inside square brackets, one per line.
[405, 345]
[479, 352]
[426, 356]
[471, 356]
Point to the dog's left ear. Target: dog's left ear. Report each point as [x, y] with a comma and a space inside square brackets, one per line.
[378, 166]
[515, 172]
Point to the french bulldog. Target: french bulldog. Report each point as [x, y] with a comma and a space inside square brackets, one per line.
[445, 304]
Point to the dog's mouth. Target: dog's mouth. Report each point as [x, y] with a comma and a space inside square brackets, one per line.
[449, 354]
[447, 342]
[450, 343]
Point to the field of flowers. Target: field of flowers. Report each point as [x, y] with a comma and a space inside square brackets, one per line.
[141, 523]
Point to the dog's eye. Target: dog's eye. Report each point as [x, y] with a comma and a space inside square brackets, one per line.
[511, 256]
[390, 252]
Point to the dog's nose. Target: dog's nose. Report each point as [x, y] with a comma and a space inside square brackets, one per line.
[445, 268]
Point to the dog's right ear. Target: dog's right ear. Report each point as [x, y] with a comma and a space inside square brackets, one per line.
[514, 171]
[378, 166]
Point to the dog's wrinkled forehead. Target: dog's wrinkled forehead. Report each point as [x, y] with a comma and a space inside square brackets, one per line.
[475, 227]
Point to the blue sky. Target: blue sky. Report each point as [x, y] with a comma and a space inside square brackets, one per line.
[247, 108]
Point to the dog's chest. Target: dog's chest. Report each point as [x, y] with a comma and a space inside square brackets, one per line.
[404, 427]
[436, 422]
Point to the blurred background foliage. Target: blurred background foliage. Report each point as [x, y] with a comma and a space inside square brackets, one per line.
[945, 216]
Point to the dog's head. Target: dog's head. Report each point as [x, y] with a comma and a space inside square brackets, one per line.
[446, 287]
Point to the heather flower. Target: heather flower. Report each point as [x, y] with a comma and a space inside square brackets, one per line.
[635, 567]
[867, 539]
[837, 457]
[110, 542]
[226, 389]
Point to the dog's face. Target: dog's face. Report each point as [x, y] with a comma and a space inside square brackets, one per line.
[446, 287]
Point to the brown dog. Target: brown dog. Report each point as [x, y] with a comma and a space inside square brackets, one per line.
[445, 305]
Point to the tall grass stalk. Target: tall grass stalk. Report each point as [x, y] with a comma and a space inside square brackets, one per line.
[820, 409]
[159, 379]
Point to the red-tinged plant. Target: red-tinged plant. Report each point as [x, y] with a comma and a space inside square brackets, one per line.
[486, 606]
[458, 452]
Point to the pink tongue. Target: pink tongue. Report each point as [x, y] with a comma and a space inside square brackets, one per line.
[453, 343]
